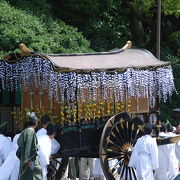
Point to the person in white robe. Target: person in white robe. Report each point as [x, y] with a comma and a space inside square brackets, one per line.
[15, 171]
[55, 146]
[97, 170]
[177, 148]
[5, 150]
[45, 143]
[177, 151]
[162, 173]
[144, 157]
[45, 120]
[12, 163]
[86, 168]
[15, 163]
[173, 161]
[5, 144]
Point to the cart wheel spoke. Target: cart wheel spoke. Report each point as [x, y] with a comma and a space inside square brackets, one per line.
[118, 138]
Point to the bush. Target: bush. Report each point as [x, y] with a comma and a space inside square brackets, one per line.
[41, 34]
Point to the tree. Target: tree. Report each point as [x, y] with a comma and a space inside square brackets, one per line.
[41, 34]
[80, 13]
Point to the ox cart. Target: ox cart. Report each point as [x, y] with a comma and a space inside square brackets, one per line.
[100, 101]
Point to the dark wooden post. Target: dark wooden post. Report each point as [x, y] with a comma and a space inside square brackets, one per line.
[158, 29]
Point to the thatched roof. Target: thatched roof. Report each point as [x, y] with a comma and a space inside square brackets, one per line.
[117, 60]
[120, 59]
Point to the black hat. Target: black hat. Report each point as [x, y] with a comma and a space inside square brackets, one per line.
[45, 119]
[169, 127]
[51, 129]
[148, 128]
[163, 127]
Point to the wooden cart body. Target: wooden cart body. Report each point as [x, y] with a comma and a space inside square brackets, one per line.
[80, 92]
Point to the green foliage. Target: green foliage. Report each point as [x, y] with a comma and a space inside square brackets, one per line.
[174, 102]
[108, 31]
[40, 34]
[142, 6]
[107, 24]
[175, 41]
[34, 7]
[79, 13]
[170, 7]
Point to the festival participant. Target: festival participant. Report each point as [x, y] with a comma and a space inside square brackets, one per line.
[44, 142]
[97, 170]
[177, 148]
[86, 168]
[162, 173]
[45, 120]
[173, 161]
[163, 130]
[15, 160]
[177, 151]
[5, 151]
[10, 168]
[27, 152]
[15, 171]
[145, 155]
[170, 130]
[5, 144]
[178, 129]
[72, 171]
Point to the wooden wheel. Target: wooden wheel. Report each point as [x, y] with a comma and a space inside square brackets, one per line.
[118, 138]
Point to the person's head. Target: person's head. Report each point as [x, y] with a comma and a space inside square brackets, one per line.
[169, 127]
[51, 130]
[178, 129]
[148, 128]
[45, 120]
[33, 120]
[163, 127]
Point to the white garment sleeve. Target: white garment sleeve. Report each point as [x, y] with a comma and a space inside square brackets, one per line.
[177, 150]
[1, 154]
[55, 146]
[8, 166]
[44, 151]
[134, 155]
[154, 154]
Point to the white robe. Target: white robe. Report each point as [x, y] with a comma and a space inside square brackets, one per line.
[55, 144]
[97, 170]
[173, 161]
[41, 131]
[162, 173]
[177, 150]
[5, 147]
[15, 171]
[44, 152]
[145, 157]
[6, 157]
[11, 164]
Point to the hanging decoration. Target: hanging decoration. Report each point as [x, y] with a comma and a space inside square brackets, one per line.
[36, 71]
[87, 94]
